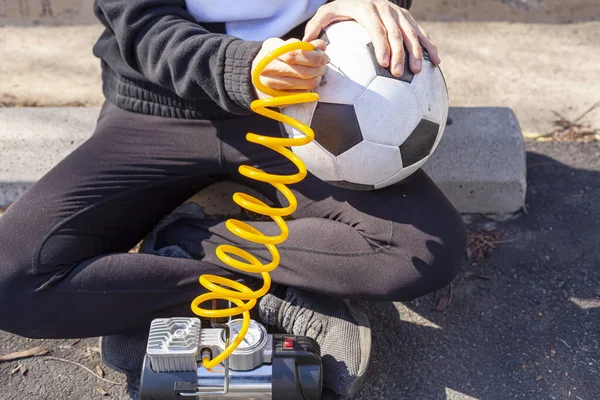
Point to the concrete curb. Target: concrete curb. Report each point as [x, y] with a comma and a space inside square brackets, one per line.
[480, 161]
[479, 164]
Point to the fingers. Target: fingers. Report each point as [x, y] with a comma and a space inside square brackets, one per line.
[314, 58]
[395, 38]
[365, 14]
[282, 69]
[305, 58]
[370, 19]
[426, 42]
[320, 44]
[286, 83]
[297, 70]
[323, 17]
[411, 40]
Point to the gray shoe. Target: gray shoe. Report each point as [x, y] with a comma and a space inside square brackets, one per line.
[133, 387]
[343, 333]
[124, 352]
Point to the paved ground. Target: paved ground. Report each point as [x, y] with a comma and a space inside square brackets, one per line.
[532, 331]
[54, 12]
[531, 68]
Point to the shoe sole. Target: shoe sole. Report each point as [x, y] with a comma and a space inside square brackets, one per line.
[364, 329]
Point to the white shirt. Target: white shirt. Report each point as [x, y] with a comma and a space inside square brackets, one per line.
[254, 19]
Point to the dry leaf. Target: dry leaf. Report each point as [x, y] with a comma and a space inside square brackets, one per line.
[539, 378]
[442, 303]
[483, 276]
[567, 130]
[445, 300]
[99, 371]
[16, 369]
[102, 392]
[532, 135]
[480, 245]
[34, 352]
[136, 248]
[93, 349]
[91, 352]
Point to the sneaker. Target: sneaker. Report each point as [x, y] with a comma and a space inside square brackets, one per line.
[343, 333]
[124, 352]
[133, 386]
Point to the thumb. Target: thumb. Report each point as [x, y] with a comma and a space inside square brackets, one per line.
[311, 32]
[319, 22]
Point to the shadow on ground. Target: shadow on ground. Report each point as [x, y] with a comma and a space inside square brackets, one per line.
[531, 332]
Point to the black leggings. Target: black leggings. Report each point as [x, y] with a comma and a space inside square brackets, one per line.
[65, 270]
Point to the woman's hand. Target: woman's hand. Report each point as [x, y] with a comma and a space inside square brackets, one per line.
[389, 26]
[297, 70]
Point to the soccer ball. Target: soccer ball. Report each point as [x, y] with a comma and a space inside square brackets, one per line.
[371, 128]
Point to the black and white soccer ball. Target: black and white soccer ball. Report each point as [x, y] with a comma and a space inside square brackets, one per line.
[371, 128]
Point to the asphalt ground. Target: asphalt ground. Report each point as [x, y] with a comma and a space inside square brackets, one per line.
[521, 324]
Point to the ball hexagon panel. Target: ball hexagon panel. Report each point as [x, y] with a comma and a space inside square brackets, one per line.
[407, 76]
[336, 127]
[368, 163]
[301, 112]
[401, 175]
[352, 60]
[347, 31]
[440, 132]
[337, 87]
[420, 143]
[431, 89]
[388, 111]
[319, 161]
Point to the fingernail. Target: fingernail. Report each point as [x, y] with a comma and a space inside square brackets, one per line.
[418, 64]
[386, 60]
[399, 69]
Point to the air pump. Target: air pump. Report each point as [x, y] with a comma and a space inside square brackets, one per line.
[264, 366]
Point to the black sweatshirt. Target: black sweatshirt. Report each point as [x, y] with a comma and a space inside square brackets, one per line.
[156, 59]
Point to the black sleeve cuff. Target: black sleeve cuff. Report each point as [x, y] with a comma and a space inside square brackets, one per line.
[238, 66]
[403, 3]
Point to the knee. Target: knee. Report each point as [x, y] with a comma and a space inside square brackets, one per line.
[17, 307]
[22, 310]
[11, 306]
[432, 261]
[447, 252]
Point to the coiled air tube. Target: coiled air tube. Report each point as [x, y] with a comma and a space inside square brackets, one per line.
[226, 289]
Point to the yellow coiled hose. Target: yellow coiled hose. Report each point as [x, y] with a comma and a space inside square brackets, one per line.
[226, 289]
